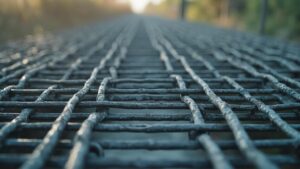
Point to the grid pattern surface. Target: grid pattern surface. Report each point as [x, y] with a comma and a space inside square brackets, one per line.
[140, 92]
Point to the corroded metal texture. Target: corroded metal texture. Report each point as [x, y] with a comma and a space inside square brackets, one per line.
[143, 92]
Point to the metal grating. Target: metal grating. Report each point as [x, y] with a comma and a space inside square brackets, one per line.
[149, 93]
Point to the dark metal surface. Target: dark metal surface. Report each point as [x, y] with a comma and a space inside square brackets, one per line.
[142, 92]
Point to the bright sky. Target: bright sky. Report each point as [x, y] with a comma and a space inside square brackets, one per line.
[138, 6]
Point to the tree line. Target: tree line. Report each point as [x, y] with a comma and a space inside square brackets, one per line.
[282, 20]
[21, 17]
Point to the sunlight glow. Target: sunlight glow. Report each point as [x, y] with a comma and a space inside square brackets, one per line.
[138, 6]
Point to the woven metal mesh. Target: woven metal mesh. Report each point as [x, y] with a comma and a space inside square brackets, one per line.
[149, 93]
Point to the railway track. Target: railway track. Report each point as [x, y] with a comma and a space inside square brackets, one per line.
[142, 92]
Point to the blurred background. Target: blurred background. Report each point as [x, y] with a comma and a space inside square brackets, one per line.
[279, 18]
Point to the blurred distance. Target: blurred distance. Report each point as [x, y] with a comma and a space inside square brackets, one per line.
[22, 18]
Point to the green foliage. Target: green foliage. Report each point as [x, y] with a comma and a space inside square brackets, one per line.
[205, 10]
[283, 19]
[22, 17]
